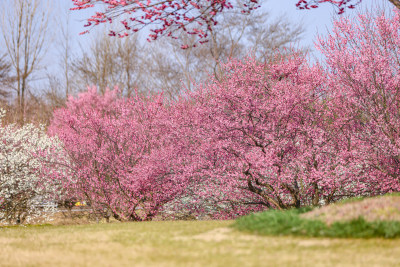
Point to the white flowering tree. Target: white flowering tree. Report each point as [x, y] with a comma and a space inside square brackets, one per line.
[28, 160]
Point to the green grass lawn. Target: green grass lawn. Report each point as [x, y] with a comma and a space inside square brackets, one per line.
[289, 222]
[183, 243]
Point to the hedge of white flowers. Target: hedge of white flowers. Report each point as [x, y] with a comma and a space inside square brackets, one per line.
[27, 157]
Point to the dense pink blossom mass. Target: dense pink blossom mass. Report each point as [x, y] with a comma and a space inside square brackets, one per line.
[116, 149]
[363, 71]
[276, 135]
[265, 135]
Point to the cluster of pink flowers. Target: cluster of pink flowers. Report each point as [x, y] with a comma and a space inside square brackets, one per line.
[119, 153]
[174, 16]
[164, 17]
[267, 135]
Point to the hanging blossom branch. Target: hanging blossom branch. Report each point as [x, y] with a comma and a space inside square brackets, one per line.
[166, 17]
[170, 17]
[341, 5]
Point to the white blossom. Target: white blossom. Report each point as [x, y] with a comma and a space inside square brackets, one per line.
[27, 156]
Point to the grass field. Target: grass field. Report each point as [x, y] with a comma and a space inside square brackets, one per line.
[183, 243]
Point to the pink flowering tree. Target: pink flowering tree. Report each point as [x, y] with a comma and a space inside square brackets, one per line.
[118, 153]
[268, 136]
[362, 55]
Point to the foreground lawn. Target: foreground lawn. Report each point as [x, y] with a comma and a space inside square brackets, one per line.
[183, 243]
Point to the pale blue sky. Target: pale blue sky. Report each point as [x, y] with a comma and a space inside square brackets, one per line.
[315, 21]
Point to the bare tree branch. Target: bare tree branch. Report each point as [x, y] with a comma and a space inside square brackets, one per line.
[24, 30]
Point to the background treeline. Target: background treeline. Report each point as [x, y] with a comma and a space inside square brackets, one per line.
[41, 65]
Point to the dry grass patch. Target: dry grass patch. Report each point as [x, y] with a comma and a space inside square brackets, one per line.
[182, 243]
[384, 208]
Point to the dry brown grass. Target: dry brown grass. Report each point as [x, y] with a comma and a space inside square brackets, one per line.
[182, 243]
[64, 217]
[384, 208]
[76, 217]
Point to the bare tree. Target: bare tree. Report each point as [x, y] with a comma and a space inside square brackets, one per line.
[5, 77]
[163, 65]
[236, 36]
[60, 84]
[24, 30]
[65, 51]
[110, 62]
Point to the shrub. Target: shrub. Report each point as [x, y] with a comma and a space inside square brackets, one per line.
[119, 149]
[27, 155]
[362, 58]
[267, 136]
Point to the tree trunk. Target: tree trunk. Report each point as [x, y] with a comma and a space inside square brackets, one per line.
[396, 3]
